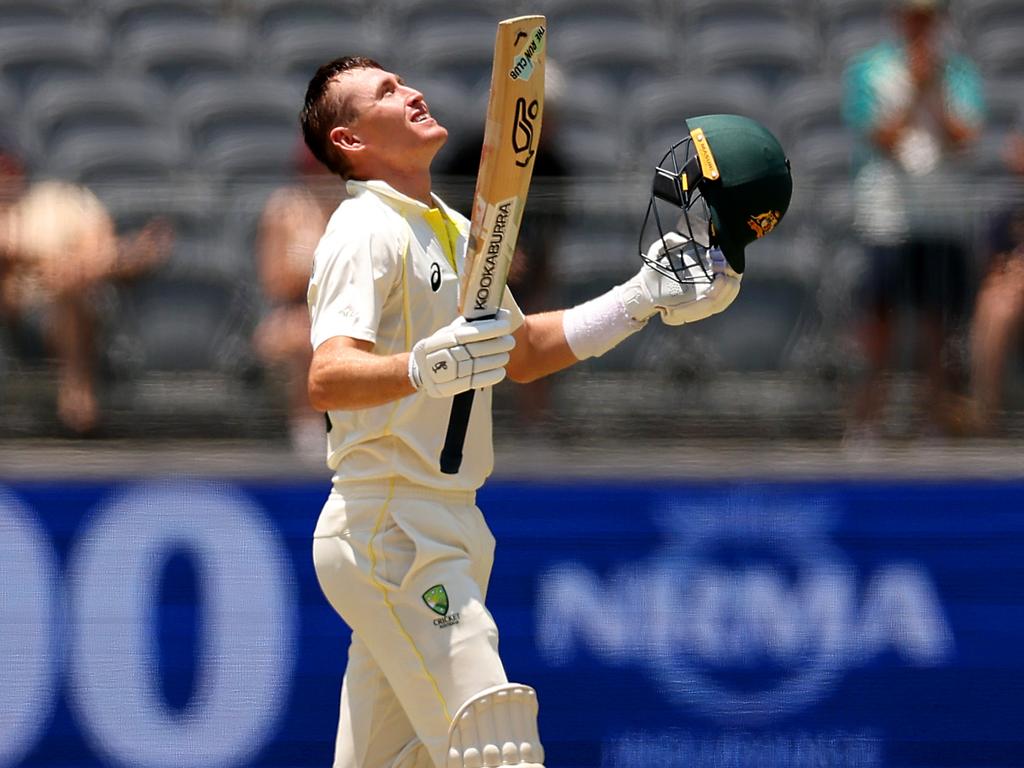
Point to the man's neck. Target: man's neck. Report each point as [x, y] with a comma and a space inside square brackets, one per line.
[417, 186]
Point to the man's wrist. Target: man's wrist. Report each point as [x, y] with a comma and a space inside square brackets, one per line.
[598, 325]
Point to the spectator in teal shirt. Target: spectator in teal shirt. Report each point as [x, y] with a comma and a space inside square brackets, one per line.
[915, 105]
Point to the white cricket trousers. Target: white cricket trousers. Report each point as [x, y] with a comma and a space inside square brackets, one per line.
[406, 567]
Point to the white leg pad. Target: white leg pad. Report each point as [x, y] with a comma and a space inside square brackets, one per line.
[496, 727]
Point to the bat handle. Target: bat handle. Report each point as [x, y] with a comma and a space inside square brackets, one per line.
[458, 421]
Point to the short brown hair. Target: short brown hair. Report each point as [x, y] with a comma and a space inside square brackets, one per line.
[320, 114]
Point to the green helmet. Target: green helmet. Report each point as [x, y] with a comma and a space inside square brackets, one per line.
[732, 181]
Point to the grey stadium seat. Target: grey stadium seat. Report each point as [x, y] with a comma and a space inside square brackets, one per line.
[62, 109]
[591, 131]
[36, 13]
[759, 331]
[657, 109]
[1000, 52]
[175, 54]
[564, 13]
[187, 324]
[212, 111]
[695, 17]
[852, 26]
[31, 55]
[128, 16]
[272, 16]
[810, 106]
[108, 157]
[615, 51]
[462, 51]
[247, 159]
[770, 54]
[414, 18]
[977, 17]
[297, 50]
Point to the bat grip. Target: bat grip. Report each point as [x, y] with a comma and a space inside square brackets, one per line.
[458, 421]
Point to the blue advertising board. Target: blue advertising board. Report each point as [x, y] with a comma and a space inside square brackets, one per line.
[178, 622]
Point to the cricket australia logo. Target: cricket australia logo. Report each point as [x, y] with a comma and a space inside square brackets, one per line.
[436, 599]
[763, 223]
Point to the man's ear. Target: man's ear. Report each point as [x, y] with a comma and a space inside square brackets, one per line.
[345, 138]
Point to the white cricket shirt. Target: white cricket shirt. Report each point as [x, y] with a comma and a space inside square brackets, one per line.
[382, 274]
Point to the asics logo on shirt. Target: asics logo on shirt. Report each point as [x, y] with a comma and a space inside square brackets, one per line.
[435, 277]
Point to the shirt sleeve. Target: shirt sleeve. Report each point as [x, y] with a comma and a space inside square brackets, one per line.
[353, 275]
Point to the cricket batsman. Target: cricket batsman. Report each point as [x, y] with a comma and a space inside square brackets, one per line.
[401, 551]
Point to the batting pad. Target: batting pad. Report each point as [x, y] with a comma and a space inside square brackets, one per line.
[496, 727]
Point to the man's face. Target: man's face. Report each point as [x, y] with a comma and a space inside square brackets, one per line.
[392, 121]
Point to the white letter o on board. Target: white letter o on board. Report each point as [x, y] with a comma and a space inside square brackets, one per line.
[247, 637]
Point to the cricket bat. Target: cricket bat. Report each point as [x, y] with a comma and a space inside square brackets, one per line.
[511, 135]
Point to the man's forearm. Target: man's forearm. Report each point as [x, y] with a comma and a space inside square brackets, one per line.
[541, 348]
[347, 378]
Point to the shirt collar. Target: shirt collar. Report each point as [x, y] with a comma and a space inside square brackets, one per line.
[399, 201]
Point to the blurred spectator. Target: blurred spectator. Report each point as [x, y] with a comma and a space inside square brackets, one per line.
[999, 310]
[915, 103]
[530, 277]
[290, 227]
[58, 248]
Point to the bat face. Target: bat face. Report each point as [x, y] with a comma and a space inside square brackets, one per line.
[514, 112]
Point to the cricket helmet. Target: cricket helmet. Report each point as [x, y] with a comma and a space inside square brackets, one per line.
[725, 185]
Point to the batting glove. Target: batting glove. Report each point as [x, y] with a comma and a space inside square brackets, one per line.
[650, 292]
[462, 355]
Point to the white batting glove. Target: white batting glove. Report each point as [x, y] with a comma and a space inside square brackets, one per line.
[462, 355]
[650, 292]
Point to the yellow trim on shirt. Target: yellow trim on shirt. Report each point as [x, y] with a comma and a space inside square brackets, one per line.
[390, 606]
[446, 232]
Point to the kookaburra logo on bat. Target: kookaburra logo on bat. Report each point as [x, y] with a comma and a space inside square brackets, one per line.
[523, 132]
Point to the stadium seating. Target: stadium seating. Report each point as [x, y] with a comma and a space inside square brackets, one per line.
[770, 54]
[222, 109]
[273, 16]
[248, 158]
[614, 51]
[977, 17]
[129, 16]
[810, 125]
[657, 108]
[295, 50]
[461, 51]
[586, 131]
[176, 54]
[61, 109]
[106, 157]
[851, 26]
[422, 18]
[31, 55]
[696, 17]
[37, 13]
[562, 14]
[1000, 52]
[187, 323]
